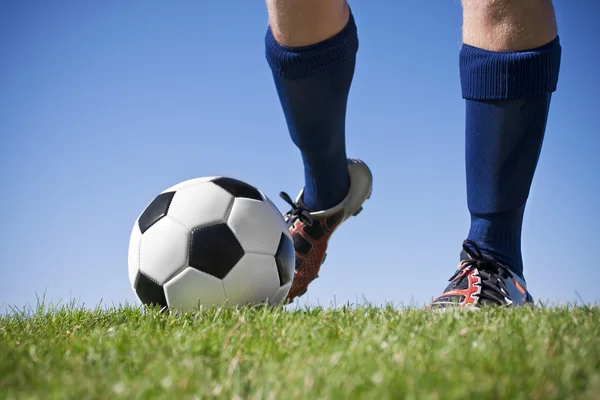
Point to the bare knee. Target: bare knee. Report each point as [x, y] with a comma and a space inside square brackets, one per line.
[497, 12]
[501, 25]
[303, 22]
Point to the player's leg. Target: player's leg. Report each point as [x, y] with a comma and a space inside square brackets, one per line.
[509, 67]
[311, 47]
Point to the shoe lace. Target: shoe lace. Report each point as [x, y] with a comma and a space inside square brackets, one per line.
[298, 211]
[490, 271]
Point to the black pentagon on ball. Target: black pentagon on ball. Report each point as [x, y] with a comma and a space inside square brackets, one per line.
[284, 257]
[155, 211]
[238, 188]
[215, 250]
[149, 292]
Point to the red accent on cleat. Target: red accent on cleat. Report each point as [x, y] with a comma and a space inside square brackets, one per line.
[311, 245]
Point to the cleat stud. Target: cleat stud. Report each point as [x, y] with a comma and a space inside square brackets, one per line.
[357, 212]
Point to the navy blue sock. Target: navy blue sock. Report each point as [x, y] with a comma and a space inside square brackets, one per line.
[313, 83]
[507, 100]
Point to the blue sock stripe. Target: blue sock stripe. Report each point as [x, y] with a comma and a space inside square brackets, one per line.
[488, 75]
[295, 63]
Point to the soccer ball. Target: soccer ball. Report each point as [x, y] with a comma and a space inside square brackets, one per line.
[211, 241]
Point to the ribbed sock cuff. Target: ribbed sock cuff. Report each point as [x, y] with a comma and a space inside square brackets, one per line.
[488, 75]
[295, 63]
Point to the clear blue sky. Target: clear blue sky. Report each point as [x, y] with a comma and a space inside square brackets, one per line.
[105, 104]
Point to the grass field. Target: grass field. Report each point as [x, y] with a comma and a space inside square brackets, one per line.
[343, 353]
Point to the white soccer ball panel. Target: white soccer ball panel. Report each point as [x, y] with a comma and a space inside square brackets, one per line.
[164, 249]
[201, 204]
[253, 280]
[133, 257]
[277, 214]
[278, 298]
[188, 183]
[255, 225]
[192, 288]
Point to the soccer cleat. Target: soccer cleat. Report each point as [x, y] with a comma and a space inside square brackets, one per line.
[311, 230]
[480, 280]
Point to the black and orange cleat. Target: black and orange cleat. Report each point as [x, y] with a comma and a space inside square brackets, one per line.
[480, 280]
[311, 230]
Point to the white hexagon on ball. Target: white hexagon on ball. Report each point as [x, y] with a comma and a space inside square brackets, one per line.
[277, 215]
[278, 298]
[255, 225]
[192, 288]
[253, 280]
[164, 249]
[200, 204]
